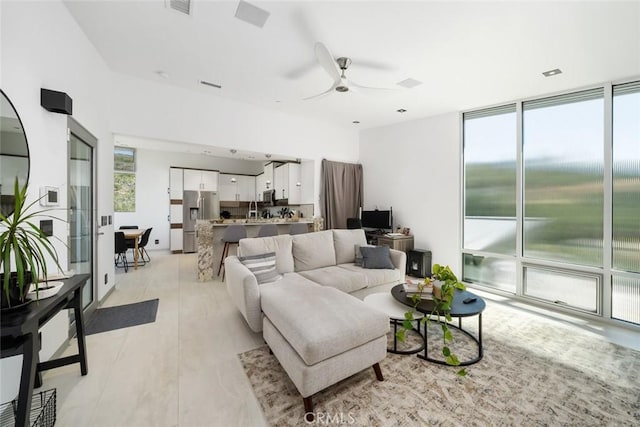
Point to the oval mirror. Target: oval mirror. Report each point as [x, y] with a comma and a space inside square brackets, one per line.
[14, 153]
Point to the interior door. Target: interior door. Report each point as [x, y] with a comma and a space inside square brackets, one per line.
[82, 208]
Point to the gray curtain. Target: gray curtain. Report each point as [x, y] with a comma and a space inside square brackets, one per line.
[341, 193]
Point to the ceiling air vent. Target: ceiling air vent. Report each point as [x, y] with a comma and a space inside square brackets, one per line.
[183, 6]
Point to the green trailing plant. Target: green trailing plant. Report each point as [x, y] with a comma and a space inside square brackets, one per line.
[26, 244]
[446, 281]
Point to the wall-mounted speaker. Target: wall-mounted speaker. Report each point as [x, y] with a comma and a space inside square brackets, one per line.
[56, 102]
[419, 263]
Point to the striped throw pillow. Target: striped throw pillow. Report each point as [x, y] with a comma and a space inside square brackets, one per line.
[263, 266]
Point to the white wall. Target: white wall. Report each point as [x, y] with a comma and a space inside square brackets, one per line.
[415, 168]
[41, 46]
[152, 182]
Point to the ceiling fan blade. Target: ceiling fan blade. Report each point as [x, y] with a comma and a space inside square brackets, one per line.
[327, 62]
[358, 86]
[320, 95]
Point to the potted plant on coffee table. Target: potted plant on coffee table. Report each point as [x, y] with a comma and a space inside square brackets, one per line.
[444, 283]
[23, 250]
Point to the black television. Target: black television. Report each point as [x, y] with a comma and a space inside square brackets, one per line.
[380, 220]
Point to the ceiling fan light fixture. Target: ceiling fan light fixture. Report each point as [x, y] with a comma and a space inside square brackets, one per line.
[342, 89]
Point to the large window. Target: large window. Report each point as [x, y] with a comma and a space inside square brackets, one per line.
[124, 179]
[625, 299]
[490, 196]
[563, 152]
[552, 201]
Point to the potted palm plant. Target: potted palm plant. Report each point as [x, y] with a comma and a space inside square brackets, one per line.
[23, 247]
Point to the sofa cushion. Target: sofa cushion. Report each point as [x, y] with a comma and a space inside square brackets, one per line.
[344, 242]
[378, 257]
[281, 245]
[263, 266]
[313, 250]
[320, 322]
[336, 277]
[376, 277]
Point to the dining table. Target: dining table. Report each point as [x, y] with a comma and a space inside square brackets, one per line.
[134, 234]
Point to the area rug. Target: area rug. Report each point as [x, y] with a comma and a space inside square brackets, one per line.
[122, 316]
[535, 372]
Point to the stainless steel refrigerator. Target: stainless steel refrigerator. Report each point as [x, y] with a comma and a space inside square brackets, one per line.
[197, 205]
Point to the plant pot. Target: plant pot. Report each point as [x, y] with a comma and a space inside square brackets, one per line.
[437, 288]
[15, 297]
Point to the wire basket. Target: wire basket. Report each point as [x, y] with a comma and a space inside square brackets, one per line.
[43, 410]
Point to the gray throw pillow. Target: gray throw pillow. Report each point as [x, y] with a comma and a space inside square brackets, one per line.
[263, 266]
[377, 257]
[358, 254]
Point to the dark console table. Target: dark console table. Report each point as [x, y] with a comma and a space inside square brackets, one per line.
[20, 336]
[458, 309]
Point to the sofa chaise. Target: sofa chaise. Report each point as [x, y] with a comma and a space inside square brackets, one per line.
[308, 308]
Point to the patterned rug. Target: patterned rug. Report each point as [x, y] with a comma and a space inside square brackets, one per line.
[535, 372]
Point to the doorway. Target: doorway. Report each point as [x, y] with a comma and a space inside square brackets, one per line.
[82, 210]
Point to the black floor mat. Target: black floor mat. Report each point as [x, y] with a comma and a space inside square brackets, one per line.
[122, 316]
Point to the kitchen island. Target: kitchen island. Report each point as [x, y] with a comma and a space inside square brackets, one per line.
[209, 236]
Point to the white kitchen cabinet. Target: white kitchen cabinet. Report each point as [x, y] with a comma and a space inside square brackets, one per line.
[175, 183]
[243, 189]
[261, 185]
[227, 189]
[294, 184]
[210, 180]
[200, 180]
[281, 181]
[246, 188]
[175, 214]
[268, 176]
[176, 240]
[307, 170]
[192, 179]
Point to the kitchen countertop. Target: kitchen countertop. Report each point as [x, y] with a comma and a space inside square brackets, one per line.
[259, 221]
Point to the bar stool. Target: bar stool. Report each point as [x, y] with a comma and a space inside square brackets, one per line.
[268, 230]
[298, 228]
[232, 234]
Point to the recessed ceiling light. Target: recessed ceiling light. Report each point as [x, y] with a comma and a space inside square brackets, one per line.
[401, 110]
[162, 74]
[268, 156]
[409, 83]
[217, 86]
[553, 72]
[252, 14]
[233, 151]
[355, 122]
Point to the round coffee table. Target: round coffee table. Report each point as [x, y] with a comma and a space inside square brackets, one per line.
[386, 304]
[458, 309]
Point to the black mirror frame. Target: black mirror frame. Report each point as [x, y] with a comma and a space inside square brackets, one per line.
[26, 141]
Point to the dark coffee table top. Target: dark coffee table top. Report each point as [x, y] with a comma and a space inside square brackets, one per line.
[458, 308]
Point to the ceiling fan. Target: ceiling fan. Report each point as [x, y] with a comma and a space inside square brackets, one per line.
[336, 70]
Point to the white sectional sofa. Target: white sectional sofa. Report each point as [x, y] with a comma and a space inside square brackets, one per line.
[314, 324]
[325, 258]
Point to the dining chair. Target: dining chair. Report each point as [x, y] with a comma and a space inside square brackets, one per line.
[121, 251]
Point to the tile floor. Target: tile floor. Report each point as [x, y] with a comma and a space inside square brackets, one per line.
[182, 370]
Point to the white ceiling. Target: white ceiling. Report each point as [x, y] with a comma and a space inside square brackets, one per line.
[468, 54]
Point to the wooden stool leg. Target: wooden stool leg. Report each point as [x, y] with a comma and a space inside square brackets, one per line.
[309, 416]
[224, 252]
[378, 372]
